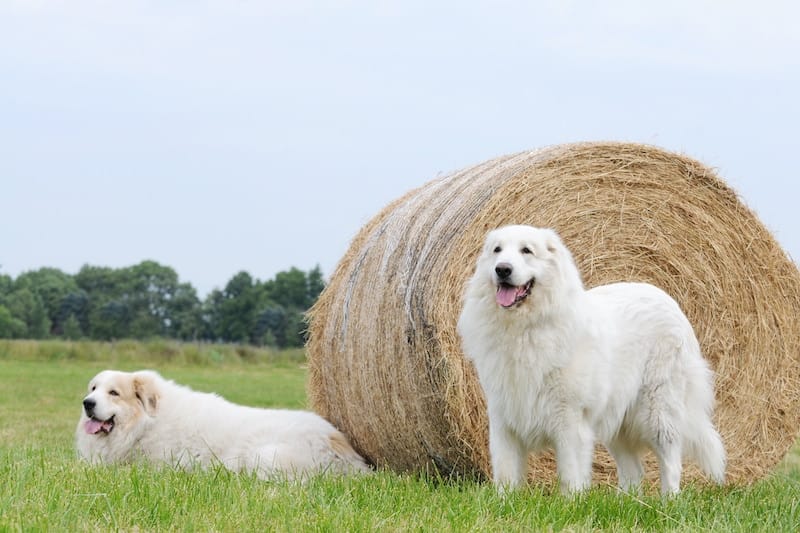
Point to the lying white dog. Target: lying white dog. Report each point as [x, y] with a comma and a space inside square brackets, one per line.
[564, 367]
[142, 416]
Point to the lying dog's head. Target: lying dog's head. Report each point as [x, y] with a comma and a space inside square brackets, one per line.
[522, 263]
[118, 399]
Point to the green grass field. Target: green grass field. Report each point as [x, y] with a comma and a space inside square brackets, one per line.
[43, 487]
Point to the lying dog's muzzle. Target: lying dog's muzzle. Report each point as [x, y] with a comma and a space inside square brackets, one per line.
[94, 426]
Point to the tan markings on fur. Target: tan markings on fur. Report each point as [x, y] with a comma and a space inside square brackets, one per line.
[149, 398]
[135, 415]
[341, 446]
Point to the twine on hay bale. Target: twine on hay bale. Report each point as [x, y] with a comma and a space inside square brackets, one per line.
[385, 360]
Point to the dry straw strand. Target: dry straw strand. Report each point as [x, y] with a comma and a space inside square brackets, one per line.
[385, 361]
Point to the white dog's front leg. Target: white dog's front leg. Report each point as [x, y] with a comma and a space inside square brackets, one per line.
[508, 457]
[574, 450]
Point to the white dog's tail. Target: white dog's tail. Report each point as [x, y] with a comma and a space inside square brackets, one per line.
[703, 443]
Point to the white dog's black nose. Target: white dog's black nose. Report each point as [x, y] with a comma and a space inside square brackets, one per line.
[88, 406]
[503, 270]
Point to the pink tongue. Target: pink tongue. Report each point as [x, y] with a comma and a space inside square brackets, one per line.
[93, 426]
[506, 295]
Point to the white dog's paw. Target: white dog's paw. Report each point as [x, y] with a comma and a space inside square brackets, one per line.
[574, 487]
[505, 489]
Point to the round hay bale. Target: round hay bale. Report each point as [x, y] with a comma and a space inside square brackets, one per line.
[385, 360]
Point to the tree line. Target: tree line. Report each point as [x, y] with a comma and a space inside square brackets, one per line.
[147, 300]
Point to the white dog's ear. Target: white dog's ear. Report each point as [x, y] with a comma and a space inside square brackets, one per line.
[146, 390]
[552, 241]
[488, 240]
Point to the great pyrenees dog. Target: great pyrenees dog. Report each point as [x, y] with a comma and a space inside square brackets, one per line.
[564, 367]
[140, 416]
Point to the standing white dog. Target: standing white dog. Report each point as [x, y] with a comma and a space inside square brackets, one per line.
[564, 367]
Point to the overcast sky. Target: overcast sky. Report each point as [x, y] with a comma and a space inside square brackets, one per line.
[221, 135]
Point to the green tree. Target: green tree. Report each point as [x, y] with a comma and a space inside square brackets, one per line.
[150, 287]
[6, 285]
[112, 320]
[270, 326]
[184, 314]
[236, 312]
[295, 329]
[212, 316]
[75, 305]
[283, 301]
[27, 307]
[51, 285]
[316, 284]
[97, 281]
[102, 285]
[72, 328]
[289, 288]
[144, 300]
[10, 326]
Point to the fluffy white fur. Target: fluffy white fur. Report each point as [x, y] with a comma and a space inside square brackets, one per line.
[564, 367]
[142, 416]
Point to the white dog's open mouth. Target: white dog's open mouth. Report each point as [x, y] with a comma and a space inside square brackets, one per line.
[509, 295]
[94, 426]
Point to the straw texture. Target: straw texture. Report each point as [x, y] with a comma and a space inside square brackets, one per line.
[385, 360]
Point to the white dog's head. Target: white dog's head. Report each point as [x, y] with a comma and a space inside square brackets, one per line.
[117, 401]
[520, 264]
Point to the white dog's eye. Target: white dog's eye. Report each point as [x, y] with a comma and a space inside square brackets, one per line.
[526, 250]
[113, 393]
[497, 249]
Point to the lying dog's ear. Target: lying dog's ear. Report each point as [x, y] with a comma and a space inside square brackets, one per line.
[146, 390]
